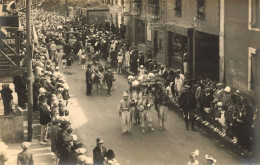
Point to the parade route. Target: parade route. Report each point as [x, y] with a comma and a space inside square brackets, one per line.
[97, 116]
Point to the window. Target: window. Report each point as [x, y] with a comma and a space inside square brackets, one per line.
[116, 2]
[153, 7]
[255, 13]
[201, 6]
[117, 20]
[122, 2]
[122, 20]
[137, 6]
[178, 8]
[255, 71]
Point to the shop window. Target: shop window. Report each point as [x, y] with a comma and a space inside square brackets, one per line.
[178, 8]
[178, 44]
[255, 71]
[201, 6]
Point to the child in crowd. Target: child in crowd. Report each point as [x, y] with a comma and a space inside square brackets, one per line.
[120, 59]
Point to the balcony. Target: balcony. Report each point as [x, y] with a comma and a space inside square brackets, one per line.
[136, 8]
[153, 11]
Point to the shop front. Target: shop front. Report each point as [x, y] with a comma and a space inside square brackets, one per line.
[179, 54]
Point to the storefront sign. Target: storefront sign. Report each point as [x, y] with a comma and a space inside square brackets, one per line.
[155, 26]
[178, 30]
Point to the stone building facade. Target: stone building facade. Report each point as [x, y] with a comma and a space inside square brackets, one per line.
[242, 45]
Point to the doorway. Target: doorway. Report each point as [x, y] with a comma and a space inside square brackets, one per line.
[207, 56]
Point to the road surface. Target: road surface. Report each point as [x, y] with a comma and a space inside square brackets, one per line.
[97, 116]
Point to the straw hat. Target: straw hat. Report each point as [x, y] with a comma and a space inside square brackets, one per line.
[125, 94]
[227, 89]
[219, 104]
[25, 145]
[80, 150]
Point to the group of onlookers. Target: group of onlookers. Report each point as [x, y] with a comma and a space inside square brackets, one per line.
[225, 110]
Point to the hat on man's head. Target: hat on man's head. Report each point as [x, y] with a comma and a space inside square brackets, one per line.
[187, 86]
[219, 104]
[142, 67]
[237, 92]
[125, 94]
[25, 145]
[215, 101]
[219, 84]
[81, 150]
[99, 140]
[195, 153]
[227, 89]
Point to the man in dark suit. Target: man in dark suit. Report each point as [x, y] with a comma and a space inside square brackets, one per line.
[25, 157]
[187, 102]
[20, 88]
[99, 152]
[109, 78]
[88, 80]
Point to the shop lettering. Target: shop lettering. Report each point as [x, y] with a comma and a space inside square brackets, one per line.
[178, 30]
[9, 41]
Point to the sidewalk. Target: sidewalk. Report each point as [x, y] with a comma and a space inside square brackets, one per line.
[42, 154]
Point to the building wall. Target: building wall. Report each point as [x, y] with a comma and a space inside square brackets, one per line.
[238, 39]
[189, 10]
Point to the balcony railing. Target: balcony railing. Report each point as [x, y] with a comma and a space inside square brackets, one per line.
[136, 8]
[153, 10]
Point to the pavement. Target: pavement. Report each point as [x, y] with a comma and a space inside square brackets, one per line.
[97, 116]
[42, 154]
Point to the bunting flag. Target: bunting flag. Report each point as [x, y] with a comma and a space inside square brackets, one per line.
[1, 7]
[4, 31]
[35, 37]
[40, 3]
[11, 6]
[20, 28]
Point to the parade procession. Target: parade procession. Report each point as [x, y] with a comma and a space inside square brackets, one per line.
[129, 82]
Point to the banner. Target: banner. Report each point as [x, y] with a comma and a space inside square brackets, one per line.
[35, 37]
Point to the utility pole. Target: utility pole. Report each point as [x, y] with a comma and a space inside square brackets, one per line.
[66, 11]
[29, 70]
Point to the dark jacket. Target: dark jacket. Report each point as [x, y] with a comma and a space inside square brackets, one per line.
[88, 76]
[206, 100]
[164, 99]
[25, 158]
[6, 94]
[98, 156]
[109, 78]
[45, 116]
[187, 101]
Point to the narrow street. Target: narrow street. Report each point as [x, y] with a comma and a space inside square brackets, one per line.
[97, 116]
